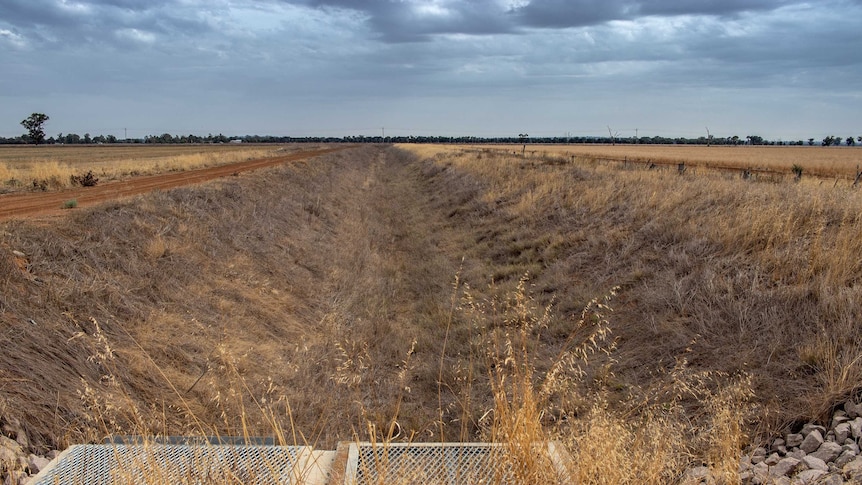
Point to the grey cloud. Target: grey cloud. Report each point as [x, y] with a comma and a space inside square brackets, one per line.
[399, 21]
[786, 47]
[409, 21]
[709, 7]
[31, 13]
[264, 57]
[96, 21]
[578, 13]
[136, 5]
[567, 13]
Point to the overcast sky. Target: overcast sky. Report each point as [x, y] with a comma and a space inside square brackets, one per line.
[782, 69]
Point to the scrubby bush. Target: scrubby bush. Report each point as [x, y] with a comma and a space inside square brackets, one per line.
[86, 180]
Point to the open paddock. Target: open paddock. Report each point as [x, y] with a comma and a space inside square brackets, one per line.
[52, 166]
[843, 162]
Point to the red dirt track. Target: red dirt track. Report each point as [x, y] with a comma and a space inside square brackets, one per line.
[51, 203]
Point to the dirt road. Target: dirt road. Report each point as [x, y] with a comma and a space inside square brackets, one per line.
[49, 203]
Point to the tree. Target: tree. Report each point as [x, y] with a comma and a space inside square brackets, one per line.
[523, 138]
[850, 141]
[811, 142]
[613, 136]
[754, 140]
[33, 124]
[73, 139]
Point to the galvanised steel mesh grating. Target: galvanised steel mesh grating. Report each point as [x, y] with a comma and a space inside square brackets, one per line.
[437, 464]
[174, 463]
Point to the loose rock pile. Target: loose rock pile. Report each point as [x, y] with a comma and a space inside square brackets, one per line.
[814, 455]
[17, 464]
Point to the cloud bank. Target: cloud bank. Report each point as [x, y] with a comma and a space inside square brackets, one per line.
[779, 68]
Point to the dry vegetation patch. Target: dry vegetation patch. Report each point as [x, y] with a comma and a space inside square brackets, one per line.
[302, 286]
[739, 276]
[442, 294]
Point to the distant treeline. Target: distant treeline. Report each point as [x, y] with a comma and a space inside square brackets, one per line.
[166, 138]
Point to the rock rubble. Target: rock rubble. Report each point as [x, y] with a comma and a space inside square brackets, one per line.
[815, 455]
[17, 463]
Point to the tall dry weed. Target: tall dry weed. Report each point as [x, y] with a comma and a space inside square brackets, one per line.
[527, 391]
[652, 439]
[609, 448]
[117, 417]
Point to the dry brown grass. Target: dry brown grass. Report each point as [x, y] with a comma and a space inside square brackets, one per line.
[52, 166]
[296, 273]
[841, 162]
[754, 274]
[308, 285]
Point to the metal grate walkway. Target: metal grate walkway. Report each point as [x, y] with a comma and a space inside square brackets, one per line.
[201, 461]
[445, 464]
[175, 464]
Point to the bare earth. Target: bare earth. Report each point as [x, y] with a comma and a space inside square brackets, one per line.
[51, 203]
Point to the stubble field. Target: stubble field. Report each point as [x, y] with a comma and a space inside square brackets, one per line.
[836, 162]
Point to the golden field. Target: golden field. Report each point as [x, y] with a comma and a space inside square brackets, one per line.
[843, 162]
[53, 165]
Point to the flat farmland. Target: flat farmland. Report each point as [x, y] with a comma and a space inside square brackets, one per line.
[840, 162]
[40, 201]
[51, 167]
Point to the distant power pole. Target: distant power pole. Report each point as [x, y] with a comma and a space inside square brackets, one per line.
[636, 136]
[125, 134]
[382, 132]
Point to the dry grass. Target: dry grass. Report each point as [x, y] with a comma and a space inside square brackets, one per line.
[753, 274]
[650, 446]
[315, 302]
[843, 162]
[52, 167]
[296, 273]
